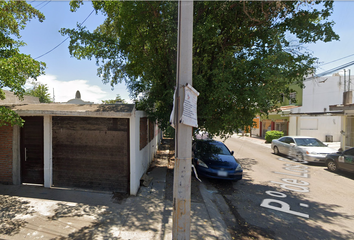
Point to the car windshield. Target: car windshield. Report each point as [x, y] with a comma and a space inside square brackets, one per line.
[211, 148]
[309, 142]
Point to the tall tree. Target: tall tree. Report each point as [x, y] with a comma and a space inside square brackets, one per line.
[243, 58]
[16, 67]
[113, 101]
[41, 91]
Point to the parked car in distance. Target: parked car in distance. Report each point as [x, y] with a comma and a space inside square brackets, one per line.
[213, 159]
[302, 148]
[343, 161]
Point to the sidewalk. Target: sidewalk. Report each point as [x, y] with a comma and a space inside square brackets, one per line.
[34, 212]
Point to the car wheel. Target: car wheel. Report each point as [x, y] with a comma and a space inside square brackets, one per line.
[332, 166]
[276, 150]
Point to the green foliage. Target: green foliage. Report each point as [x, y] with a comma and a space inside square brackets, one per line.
[270, 135]
[113, 101]
[41, 91]
[169, 132]
[15, 67]
[242, 59]
[9, 117]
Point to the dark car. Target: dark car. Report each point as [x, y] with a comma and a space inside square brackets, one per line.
[213, 159]
[341, 161]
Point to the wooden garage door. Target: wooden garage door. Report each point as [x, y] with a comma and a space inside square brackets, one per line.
[91, 153]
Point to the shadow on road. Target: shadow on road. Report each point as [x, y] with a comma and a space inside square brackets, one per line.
[245, 197]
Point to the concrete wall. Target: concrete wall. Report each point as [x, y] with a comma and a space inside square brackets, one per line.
[316, 126]
[13, 99]
[293, 131]
[140, 159]
[320, 93]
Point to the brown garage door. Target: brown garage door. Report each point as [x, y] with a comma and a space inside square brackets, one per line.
[32, 151]
[91, 153]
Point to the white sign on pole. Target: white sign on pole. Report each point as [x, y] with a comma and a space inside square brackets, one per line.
[189, 115]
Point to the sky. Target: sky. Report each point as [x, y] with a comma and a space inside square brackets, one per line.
[332, 51]
[65, 75]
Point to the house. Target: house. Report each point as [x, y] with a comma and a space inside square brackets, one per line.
[315, 118]
[278, 120]
[90, 146]
[345, 107]
[314, 113]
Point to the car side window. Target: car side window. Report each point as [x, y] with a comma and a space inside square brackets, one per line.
[282, 139]
[288, 140]
[349, 152]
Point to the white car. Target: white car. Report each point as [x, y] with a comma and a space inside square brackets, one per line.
[302, 148]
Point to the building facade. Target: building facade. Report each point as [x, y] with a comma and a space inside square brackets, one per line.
[90, 146]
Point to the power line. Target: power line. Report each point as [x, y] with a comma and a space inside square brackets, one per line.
[337, 60]
[65, 38]
[45, 5]
[333, 70]
[40, 4]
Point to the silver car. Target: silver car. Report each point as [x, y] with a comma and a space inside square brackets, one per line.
[302, 148]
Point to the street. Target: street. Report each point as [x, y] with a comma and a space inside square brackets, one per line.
[282, 199]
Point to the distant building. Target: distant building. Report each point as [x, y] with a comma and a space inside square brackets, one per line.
[78, 100]
[11, 98]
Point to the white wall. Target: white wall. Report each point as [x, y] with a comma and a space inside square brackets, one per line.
[255, 132]
[320, 93]
[319, 127]
[139, 159]
[293, 126]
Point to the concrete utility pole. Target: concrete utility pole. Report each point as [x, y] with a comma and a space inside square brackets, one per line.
[183, 149]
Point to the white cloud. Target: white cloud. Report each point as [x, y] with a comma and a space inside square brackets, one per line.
[66, 90]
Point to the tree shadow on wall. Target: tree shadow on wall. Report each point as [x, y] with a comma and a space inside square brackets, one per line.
[10, 207]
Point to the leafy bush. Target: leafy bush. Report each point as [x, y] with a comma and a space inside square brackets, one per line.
[169, 132]
[270, 135]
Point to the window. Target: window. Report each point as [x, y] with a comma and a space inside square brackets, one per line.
[349, 152]
[309, 142]
[289, 140]
[292, 98]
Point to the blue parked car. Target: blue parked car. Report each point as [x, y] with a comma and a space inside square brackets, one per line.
[213, 159]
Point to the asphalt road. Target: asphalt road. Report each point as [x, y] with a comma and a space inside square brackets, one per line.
[282, 199]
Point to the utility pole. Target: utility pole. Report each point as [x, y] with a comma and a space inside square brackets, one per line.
[183, 136]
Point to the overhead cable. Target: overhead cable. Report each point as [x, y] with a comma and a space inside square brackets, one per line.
[333, 70]
[337, 60]
[40, 4]
[65, 38]
[44, 5]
